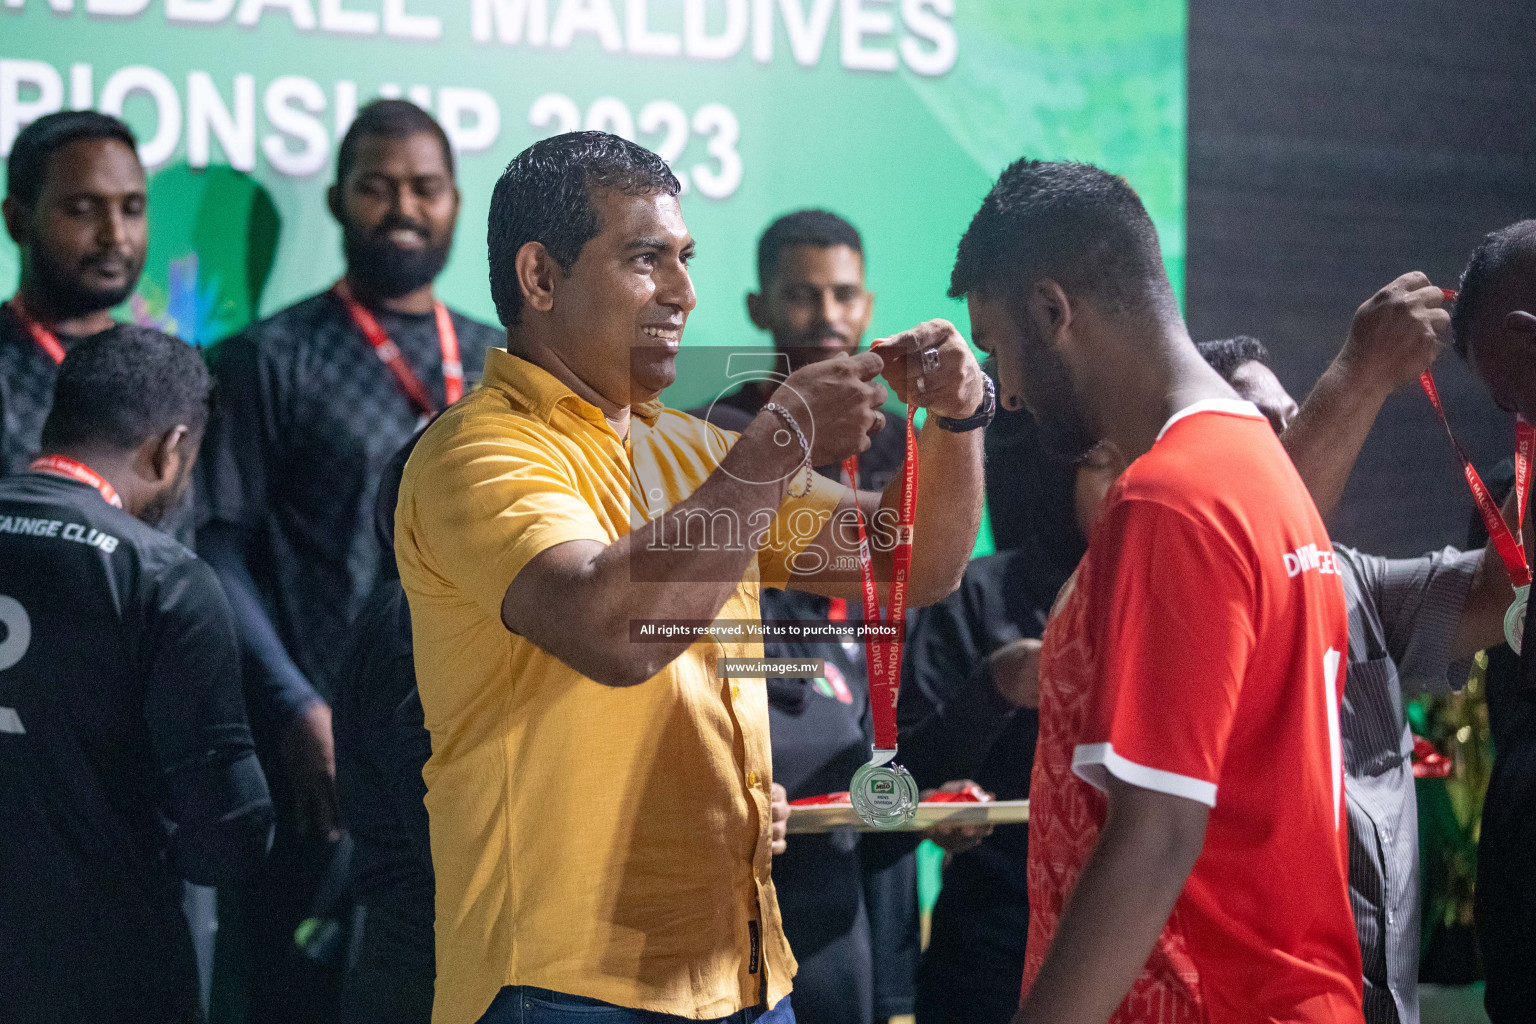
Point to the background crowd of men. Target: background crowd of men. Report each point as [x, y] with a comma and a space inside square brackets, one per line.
[391, 706]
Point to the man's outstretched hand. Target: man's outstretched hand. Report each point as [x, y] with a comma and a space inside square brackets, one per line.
[947, 383]
[836, 403]
[1397, 333]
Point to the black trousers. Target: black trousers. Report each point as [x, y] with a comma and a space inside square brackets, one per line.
[974, 964]
[267, 969]
[1506, 871]
[391, 982]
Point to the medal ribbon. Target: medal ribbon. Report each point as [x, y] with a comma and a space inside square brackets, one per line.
[389, 353]
[884, 656]
[72, 469]
[1510, 544]
[46, 339]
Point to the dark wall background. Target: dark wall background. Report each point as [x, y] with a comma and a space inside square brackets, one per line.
[1333, 146]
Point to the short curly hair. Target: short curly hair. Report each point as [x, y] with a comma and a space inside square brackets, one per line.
[1076, 224]
[34, 146]
[1500, 252]
[1225, 355]
[123, 386]
[545, 196]
[819, 229]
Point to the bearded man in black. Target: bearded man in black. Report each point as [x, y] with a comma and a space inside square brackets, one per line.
[314, 401]
[75, 207]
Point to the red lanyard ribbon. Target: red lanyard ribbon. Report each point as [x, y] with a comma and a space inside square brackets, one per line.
[62, 465]
[1510, 543]
[389, 353]
[883, 657]
[46, 339]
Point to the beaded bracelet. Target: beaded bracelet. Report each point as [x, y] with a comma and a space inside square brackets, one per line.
[805, 447]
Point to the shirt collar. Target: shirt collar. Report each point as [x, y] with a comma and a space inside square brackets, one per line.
[540, 392]
[1231, 406]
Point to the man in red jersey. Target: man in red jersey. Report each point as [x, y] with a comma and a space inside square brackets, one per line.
[1187, 846]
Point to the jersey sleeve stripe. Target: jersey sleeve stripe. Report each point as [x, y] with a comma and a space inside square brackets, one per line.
[1095, 762]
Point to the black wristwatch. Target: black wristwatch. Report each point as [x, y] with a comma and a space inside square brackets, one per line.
[981, 417]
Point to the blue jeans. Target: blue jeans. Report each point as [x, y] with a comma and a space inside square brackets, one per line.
[520, 1004]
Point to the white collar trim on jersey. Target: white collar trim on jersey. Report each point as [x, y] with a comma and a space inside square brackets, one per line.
[1234, 406]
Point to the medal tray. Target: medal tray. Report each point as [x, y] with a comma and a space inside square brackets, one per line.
[826, 817]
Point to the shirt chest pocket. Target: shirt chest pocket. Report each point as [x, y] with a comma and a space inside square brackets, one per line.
[1371, 718]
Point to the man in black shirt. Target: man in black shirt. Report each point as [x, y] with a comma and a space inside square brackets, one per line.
[1493, 327]
[382, 744]
[314, 401]
[849, 902]
[75, 207]
[125, 760]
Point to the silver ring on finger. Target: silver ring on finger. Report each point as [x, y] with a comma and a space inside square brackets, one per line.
[931, 360]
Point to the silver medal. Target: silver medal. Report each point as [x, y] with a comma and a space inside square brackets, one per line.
[883, 795]
[1514, 618]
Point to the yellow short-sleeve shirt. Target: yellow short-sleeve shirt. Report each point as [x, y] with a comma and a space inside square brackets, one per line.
[604, 842]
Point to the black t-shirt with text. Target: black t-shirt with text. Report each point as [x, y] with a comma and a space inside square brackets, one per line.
[308, 417]
[126, 763]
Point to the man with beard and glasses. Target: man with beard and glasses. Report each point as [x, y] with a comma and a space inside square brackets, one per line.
[1183, 658]
[316, 398]
[75, 207]
[126, 763]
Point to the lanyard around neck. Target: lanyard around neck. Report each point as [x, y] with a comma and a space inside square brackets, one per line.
[73, 469]
[389, 353]
[46, 339]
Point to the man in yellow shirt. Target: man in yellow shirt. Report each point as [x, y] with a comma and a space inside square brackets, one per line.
[599, 803]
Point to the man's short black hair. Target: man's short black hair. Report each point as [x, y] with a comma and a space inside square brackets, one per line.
[1076, 224]
[38, 141]
[1226, 354]
[1508, 249]
[545, 196]
[126, 385]
[391, 119]
[819, 229]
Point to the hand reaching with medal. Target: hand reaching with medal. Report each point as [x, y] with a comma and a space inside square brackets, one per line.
[1395, 336]
[1397, 333]
[932, 367]
[833, 405]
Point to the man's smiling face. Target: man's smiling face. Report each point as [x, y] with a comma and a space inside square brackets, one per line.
[626, 299]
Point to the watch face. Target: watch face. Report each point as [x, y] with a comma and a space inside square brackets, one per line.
[983, 414]
[884, 796]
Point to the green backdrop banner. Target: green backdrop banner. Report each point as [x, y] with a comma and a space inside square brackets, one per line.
[895, 113]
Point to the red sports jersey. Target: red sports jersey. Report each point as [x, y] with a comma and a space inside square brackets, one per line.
[1199, 651]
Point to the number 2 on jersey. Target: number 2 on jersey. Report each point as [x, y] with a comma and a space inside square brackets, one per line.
[15, 638]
